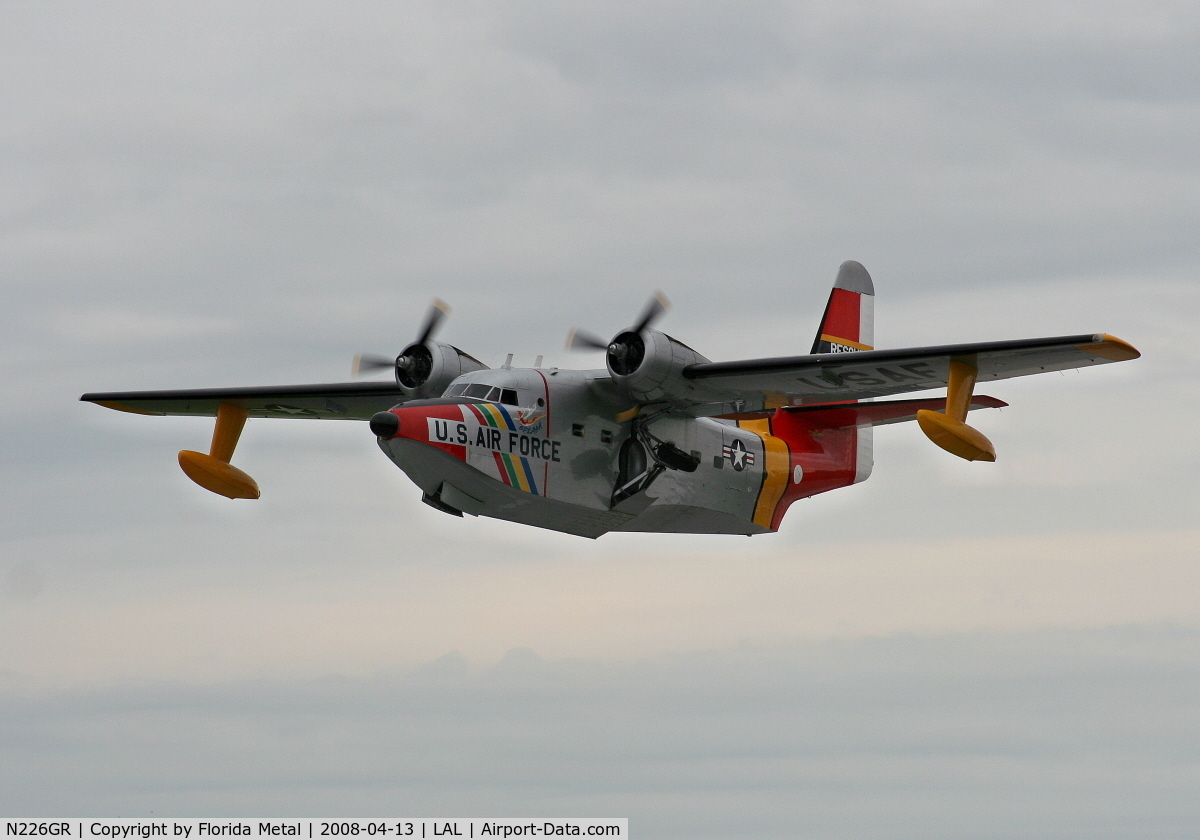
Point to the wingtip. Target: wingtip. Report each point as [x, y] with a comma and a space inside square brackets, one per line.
[1112, 348]
[119, 406]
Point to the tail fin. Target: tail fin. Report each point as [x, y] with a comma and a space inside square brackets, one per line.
[849, 320]
[849, 325]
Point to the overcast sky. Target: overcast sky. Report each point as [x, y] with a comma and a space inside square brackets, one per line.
[250, 193]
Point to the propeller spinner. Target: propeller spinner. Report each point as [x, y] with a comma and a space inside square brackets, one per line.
[627, 349]
[414, 364]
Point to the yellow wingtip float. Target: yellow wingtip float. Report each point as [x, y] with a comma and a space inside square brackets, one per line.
[955, 436]
[213, 471]
[949, 430]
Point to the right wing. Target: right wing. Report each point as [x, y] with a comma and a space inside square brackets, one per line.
[859, 375]
[337, 401]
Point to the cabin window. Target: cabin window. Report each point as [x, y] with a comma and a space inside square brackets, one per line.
[606, 435]
[577, 429]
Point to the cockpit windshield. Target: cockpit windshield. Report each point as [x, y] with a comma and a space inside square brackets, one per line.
[480, 391]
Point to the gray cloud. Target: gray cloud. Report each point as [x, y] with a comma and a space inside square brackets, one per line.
[23, 582]
[1061, 733]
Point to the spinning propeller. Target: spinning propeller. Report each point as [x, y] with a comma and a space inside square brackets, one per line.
[413, 365]
[627, 349]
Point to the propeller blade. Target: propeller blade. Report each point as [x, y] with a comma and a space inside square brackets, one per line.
[438, 310]
[655, 308]
[582, 340]
[368, 362]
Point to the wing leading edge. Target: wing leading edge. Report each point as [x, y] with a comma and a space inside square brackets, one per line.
[335, 401]
[880, 373]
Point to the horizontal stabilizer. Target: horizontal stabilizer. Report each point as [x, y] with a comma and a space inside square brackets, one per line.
[842, 415]
[879, 413]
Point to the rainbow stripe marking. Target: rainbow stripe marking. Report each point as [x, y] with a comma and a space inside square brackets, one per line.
[515, 470]
[494, 415]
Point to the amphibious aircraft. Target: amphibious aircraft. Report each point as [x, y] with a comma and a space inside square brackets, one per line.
[662, 439]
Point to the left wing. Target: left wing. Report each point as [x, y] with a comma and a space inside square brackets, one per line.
[231, 407]
[337, 401]
[866, 374]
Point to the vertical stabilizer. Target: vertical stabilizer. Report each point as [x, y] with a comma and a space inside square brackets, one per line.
[849, 320]
[849, 325]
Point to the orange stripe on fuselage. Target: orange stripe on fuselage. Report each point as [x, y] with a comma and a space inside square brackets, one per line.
[777, 466]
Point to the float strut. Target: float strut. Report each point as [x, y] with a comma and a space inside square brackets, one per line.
[213, 471]
[948, 430]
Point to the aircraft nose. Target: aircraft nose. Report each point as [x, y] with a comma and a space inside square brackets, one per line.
[385, 425]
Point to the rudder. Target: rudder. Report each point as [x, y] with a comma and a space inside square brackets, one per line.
[849, 320]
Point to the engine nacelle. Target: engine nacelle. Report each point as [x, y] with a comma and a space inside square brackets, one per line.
[427, 369]
[650, 365]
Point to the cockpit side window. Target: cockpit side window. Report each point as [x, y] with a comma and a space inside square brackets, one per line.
[508, 396]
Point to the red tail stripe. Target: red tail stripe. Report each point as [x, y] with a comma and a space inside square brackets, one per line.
[843, 317]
